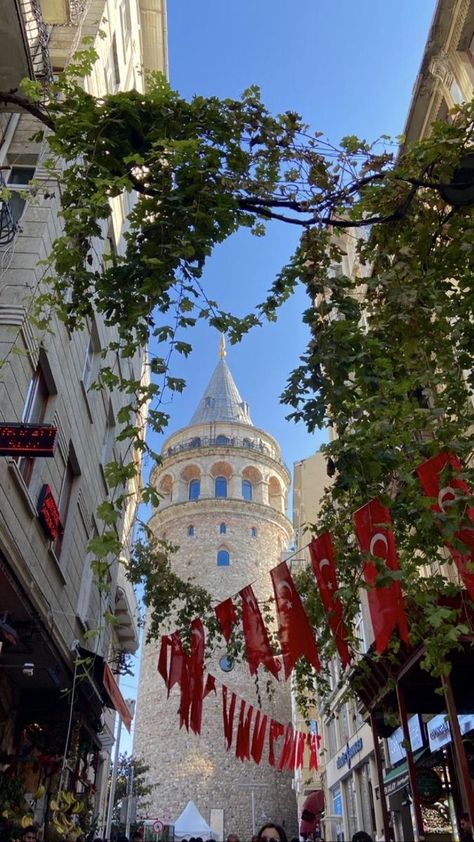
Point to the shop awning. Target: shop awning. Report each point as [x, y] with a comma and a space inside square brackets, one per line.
[99, 674]
[311, 813]
[398, 777]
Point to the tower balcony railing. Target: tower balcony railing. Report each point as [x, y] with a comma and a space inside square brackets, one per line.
[253, 445]
[8, 225]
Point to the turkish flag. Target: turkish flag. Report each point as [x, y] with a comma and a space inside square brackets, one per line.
[258, 737]
[287, 756]
[313, 751]
[295, 632]
[242, 747]
[257, 642]
[324, 567]
[163, 657]
[210, 686]
[226, 617]
[430, 476]
[228, 715]
[300, 750]
[276, 731]
[375, 536]
[196, 674]
[177, 661]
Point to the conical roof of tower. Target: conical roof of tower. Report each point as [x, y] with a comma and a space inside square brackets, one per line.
[221, 400]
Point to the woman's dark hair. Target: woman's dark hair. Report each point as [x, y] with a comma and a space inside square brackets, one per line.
[279, 829]
[361, 836]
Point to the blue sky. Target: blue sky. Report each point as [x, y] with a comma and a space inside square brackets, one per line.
[348, 68]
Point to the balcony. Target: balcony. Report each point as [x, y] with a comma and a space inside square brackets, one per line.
[8, 225]
[254, 446]
[126, 614]
[24, 37]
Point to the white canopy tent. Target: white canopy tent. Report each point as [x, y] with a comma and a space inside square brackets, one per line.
[191, 823]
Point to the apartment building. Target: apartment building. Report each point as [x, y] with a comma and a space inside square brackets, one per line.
[60, 661]
[371, 776]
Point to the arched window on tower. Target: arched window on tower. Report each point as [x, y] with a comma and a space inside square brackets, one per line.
[253, 531]
[221, 439]
[223, 558]
[190, 530]
[220, 487]
[222, 529]
[194, 489]
[246, 489]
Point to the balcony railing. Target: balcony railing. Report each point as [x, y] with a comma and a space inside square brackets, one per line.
[253, 445]
[8, 226]
[37, 36]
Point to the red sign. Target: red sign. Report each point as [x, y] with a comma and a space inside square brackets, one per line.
[48, 513]
[116, 697]
[27, 439]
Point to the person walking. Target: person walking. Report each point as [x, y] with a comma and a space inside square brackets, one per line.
[272, 832]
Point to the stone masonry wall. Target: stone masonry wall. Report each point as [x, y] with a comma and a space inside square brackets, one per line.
[185, 766]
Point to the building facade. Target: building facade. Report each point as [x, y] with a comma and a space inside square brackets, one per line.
[224, 490]
[365, 769]
[55, 646]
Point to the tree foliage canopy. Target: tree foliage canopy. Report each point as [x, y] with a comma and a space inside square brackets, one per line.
[389, 364]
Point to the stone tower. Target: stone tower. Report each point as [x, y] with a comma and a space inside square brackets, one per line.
[224, 492]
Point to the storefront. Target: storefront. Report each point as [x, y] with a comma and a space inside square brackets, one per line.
[351, 784]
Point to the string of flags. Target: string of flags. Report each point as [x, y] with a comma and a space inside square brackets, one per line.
[246, 728]
[374, 531]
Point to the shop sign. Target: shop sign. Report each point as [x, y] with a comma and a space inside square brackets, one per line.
[397, 783]
[349, 753]
[27, 439]
[48, 513]
[439, 731]
[396, 749]
[429, 786]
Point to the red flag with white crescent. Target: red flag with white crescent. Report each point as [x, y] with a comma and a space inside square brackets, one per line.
[242, 746]
[177, 661]
[294, 629]
[226, 617]
[374, 533]
[324, 567]
[258, 737]
[276, 731]
[313, 751]
[196, 674]
[228, 715]
[257, 643]
[430, 476]
[300, 750]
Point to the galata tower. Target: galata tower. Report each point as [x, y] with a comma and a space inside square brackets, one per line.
[224, 492]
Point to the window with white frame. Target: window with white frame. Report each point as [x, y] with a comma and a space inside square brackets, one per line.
[33, 413]
[18, 181]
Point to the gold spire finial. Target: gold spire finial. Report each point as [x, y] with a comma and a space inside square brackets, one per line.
[222, 351]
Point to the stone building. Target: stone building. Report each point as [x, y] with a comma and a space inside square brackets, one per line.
[49, 602]
[224, 493]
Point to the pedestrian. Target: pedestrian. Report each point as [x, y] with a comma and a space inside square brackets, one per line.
[30, 834]
[362, 836]
[272, 832]
[232, 837]
[465, 828]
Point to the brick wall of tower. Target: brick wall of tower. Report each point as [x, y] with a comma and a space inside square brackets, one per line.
[184, 766]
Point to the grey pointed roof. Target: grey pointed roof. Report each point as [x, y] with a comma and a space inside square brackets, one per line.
[221, 400]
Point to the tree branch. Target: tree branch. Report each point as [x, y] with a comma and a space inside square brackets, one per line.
[14, 98]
